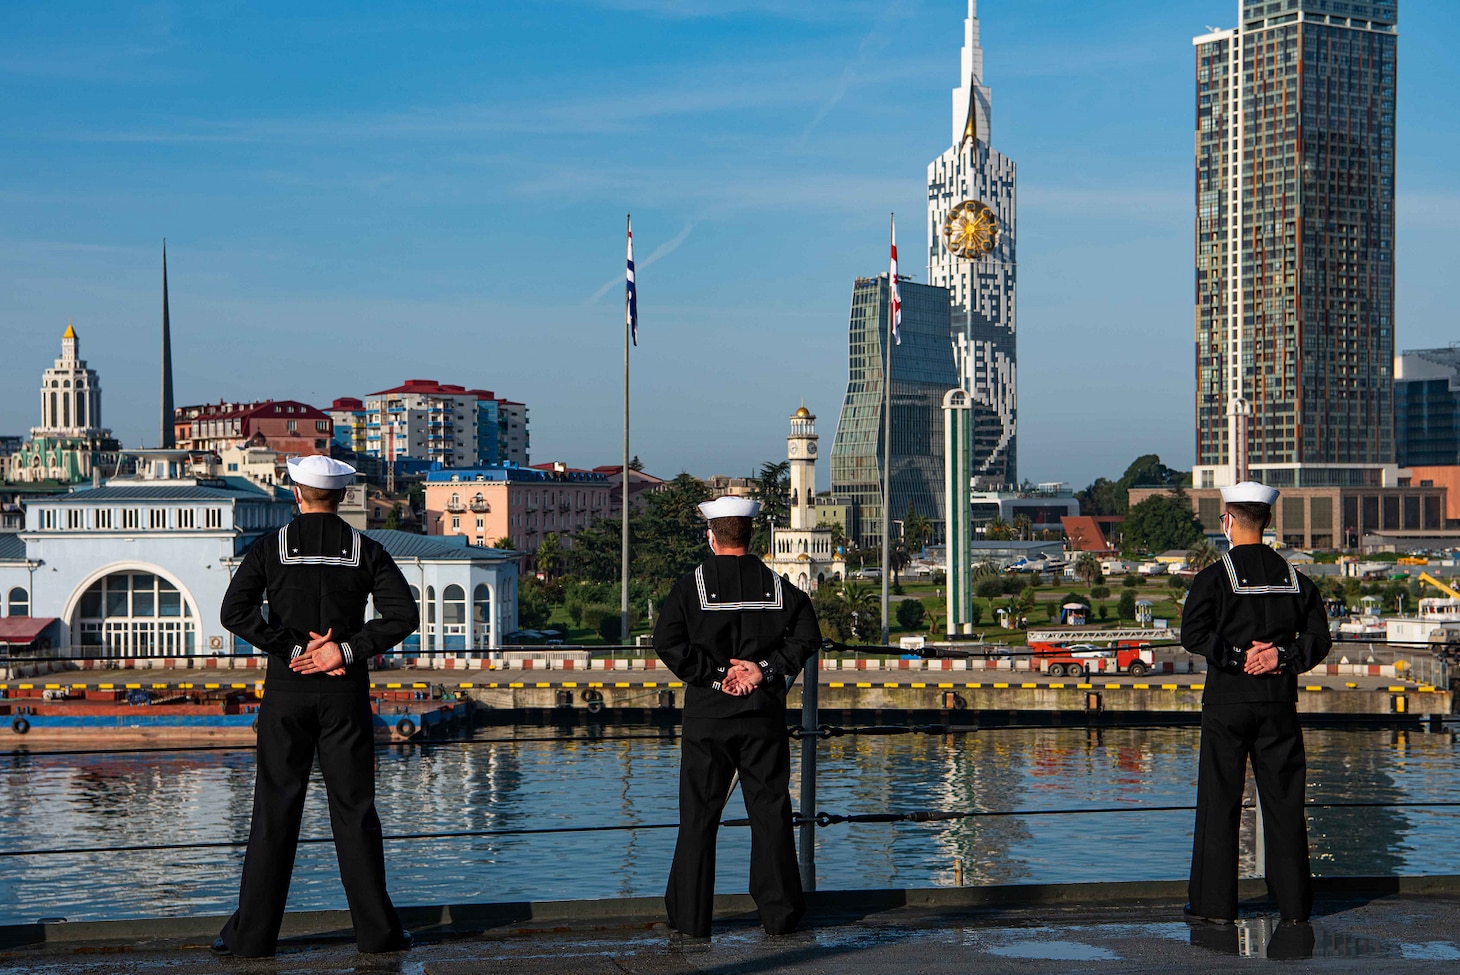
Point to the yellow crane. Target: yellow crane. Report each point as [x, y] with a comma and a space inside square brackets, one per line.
[1447, 590]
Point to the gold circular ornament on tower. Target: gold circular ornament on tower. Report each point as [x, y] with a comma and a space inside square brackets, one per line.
[971, 230]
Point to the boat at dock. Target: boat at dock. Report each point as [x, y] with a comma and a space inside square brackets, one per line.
[172, 714]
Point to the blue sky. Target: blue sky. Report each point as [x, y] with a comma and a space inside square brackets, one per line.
[365, 192]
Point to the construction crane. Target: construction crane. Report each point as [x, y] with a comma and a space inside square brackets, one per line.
[1447, 590]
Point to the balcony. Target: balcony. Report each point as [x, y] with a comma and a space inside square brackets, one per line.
[455, 507]
[480, 507]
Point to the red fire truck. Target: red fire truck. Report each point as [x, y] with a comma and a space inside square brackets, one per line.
[1083, 658]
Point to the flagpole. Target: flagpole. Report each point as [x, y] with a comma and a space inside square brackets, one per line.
[623, 616]
[887, 435]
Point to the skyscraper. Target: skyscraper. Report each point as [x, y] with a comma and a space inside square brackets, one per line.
[1295, 245]
[922, 371]
[971, 177]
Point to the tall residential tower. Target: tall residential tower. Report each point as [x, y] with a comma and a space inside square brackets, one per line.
[972, 177]
[1295, 245]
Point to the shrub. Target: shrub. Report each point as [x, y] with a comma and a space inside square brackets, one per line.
[1100, 592]
[1127, 606]
[592, 615]
[1131, 580]
[910, 614]
[989, 588]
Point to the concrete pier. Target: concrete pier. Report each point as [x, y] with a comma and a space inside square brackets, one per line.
[882, 693]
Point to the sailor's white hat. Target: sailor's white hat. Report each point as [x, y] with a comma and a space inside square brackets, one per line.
[730, 507]
[1249, 492]
[320, 471]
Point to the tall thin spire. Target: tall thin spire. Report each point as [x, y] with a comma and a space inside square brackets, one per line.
[971, 101]
[168, 437]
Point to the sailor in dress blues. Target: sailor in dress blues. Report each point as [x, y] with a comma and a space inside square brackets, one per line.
[1259, 624]
[736, 634]
[317, 574]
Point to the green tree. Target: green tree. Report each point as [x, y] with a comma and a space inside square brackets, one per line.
[1126, 608]
[534, 607]
[772, 488]
[595, 555]
[917, 531]
[1201, 554]
[504, 543]
[1087, 569]
[392, 518]
[667, 539]
[1100, 592]
[998, 530]
[1159, 523]
[1023, 526]
[549, 555]
[1107, 497]
[910, 613]
[989, 587]
[1131, 580]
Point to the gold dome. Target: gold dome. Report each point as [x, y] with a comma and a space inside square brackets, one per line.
[801, 413]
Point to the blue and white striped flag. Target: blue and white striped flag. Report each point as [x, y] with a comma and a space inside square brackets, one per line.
[631, 296]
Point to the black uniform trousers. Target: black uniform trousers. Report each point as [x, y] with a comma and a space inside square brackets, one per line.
[713, 749]
[292, 726]
[1270, 735]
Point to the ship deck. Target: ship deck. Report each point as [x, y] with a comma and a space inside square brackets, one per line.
[1405, 924]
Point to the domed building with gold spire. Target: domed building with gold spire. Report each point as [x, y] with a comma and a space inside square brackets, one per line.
[70, 442]
[804, 552]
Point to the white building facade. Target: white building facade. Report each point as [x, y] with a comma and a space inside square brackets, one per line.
[138, 567]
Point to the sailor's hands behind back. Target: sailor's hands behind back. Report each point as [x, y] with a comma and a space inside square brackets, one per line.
[743, 677]
[322, 656]
[1262, 658]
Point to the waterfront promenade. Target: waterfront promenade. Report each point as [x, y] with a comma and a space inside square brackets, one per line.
[636, 689]
[1407, 925]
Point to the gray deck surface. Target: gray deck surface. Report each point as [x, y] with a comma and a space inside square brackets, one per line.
[1413, 926]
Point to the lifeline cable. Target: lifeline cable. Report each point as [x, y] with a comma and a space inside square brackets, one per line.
[821, 819]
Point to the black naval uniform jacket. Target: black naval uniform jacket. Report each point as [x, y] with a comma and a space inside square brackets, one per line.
[317, 572]
[1250, 594]
[732, 606]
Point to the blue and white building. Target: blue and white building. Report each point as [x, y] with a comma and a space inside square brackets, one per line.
[137, 567]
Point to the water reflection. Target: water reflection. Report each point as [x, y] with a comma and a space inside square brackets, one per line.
[60, 802]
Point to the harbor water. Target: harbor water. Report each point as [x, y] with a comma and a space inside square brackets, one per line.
[528, 778]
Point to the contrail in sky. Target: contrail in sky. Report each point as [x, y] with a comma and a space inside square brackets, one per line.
[663, 250]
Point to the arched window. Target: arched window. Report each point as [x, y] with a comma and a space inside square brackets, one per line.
[135, 614]
[453, 618]
[481, 617]
[413, 642]
[19, 602]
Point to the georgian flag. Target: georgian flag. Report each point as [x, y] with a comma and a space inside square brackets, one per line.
[894, 304]
[631, 296]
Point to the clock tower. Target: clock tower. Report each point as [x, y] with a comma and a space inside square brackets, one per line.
[801, 552]
[801, 452]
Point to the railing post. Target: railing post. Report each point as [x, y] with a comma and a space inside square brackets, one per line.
[810, 687]
[1258, 831]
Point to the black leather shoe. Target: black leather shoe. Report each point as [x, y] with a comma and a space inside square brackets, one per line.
[1192, 916]
[406, 943]
[220, 948]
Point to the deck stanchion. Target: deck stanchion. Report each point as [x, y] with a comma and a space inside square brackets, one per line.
[810, 685]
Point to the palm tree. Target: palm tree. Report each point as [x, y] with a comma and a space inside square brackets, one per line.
[1202, 554]
[997, 529]
[1022, 527]
[1087, 568]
